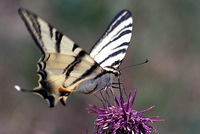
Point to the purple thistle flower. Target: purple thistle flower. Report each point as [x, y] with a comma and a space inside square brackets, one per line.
[121, 118]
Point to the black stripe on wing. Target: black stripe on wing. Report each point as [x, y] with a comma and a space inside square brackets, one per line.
[113, 55]
[43, 33]
[75, 47]
[87, 73]
[58, 38]
[121, 35]
[111, 48]
[114, 23]
[76, 61]
[41, 70]
[30, 20]
[116, 38]
[127, 15]
[50, 30]
[122, 45]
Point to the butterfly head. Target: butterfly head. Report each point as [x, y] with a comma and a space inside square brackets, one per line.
[117, 73]
[113, 70]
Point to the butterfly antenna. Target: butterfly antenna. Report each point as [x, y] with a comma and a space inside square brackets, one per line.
[134, 65]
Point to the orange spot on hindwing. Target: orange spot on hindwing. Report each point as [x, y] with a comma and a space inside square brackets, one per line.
[63, 90]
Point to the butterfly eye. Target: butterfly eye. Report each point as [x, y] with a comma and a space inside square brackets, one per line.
[117, 73]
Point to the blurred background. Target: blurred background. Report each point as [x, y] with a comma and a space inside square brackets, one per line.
[166, 32]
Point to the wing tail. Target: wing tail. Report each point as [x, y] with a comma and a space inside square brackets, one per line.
[52, 100]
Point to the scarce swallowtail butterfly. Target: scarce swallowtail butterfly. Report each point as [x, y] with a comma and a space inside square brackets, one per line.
[65, 67]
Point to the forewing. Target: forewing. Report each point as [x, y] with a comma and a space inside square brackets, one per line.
[47, 38]
[111, 48]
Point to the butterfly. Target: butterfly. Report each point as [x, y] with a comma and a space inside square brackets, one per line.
[64, 67]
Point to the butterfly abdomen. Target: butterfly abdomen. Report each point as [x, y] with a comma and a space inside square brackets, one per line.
[96, 84]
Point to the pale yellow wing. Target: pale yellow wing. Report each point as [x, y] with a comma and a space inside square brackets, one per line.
[63, 66]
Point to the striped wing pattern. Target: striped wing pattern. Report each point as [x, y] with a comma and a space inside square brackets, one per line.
[110, 49]
[65, 67]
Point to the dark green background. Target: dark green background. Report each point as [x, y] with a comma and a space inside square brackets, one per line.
[166, 32]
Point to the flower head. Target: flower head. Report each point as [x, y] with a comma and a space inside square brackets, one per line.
[121, 118]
